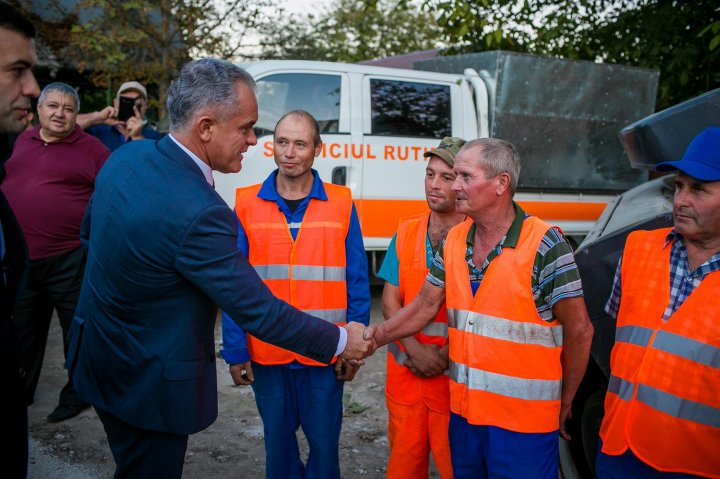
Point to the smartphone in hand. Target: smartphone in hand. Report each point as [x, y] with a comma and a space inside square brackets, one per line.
[125, 108]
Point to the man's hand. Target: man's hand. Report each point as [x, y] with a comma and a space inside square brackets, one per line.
[360, 343]
[133, 126]
[242, 374]
[344, 370]
[107, 115]
[426, 360]
[565, 414]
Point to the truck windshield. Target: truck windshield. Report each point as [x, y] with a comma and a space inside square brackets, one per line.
[278, 94]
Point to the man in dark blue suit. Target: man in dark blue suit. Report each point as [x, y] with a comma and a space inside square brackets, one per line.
[17, 88]
[161, 254]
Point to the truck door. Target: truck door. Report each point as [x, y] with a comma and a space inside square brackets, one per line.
[402, 119]
[323, 95]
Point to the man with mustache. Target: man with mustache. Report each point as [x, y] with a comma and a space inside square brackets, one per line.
[662, 408]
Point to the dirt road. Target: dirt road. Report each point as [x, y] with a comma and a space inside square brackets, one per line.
[232, 447]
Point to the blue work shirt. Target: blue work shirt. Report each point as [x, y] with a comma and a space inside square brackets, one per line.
[114, 139]
[357, 283]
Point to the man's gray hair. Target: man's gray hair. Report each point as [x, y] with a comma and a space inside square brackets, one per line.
[205, 84]
[495, 157]
[64, 89]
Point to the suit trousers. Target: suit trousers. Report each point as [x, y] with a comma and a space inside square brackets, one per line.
[14, 421]
[143, 454]
[52, 284]
[308, 397]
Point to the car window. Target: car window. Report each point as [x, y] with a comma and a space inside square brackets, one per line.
[403, 108]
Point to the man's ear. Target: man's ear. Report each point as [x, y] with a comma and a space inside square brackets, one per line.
[204, 127]
[318, 149]
[503, 183]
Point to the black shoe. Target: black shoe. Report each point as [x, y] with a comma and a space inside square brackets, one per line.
[63, 412]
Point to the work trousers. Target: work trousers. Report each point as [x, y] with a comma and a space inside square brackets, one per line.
[414, 433]
[308, 397]
[143, 454]
[52, 284]
[480, 452]
[628, 465]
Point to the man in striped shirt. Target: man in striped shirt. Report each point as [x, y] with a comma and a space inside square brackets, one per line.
[518, 328]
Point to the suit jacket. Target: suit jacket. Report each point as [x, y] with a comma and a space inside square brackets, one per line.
[161, 254]
[14, 269]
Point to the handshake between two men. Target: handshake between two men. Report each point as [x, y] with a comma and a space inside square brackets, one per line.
[360, 343]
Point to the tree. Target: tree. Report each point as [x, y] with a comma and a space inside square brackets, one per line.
[680, 38]
[116, 40]
[354, 30]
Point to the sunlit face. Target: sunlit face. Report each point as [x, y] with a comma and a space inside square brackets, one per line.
[230, 137]
[473, 190]
[696, 208]
[439, 178]
[295, 148]
[17, 83]
[57, 115]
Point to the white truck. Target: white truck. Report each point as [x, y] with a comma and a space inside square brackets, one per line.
[377, 122]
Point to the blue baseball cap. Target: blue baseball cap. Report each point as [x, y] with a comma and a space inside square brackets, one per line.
[701, 159]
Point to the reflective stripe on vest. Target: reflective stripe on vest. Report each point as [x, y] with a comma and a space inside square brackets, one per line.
[519, 388]
[505, 361]
[300, 272]
[402, 386]
[308, 272]
[505, 329]
[663, 397]
[335, 316]
[636, 335]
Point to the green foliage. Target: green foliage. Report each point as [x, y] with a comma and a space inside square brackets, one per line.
[353, 30]
[678, 37]
[149, 40]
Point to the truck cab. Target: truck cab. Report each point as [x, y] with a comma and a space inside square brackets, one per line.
[377, 122]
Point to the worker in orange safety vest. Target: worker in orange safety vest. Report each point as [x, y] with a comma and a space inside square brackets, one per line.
[302, 236]
[662, 408]
[416, 388]
[518, 329]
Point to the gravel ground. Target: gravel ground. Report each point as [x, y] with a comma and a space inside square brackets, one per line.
[231, 447]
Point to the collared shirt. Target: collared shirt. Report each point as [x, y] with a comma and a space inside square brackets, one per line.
[49, 186]
[358, 286]
[113, 138]
[555, 275]
[682, 281]
[204, 167]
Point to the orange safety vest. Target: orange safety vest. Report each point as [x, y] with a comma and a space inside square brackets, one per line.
[505, 367]
[308, 273]
[402, 386]
[663, 400]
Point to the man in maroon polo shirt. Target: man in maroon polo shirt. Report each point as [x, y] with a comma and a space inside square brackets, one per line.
[50, 178]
